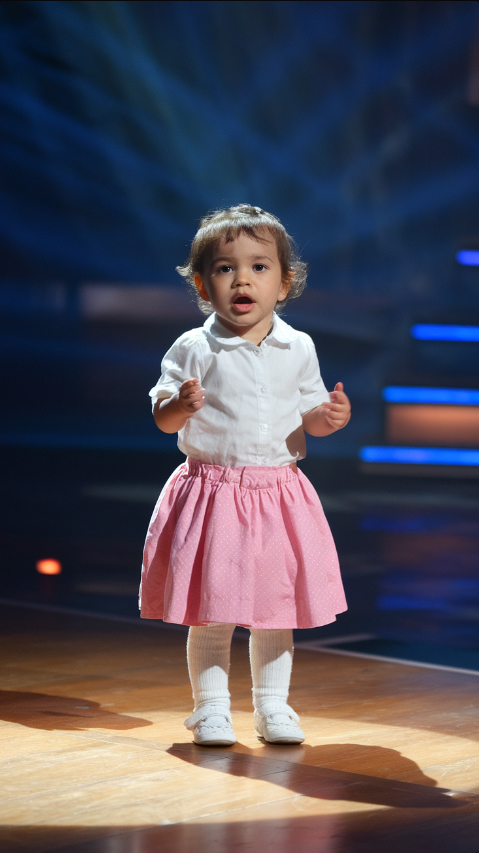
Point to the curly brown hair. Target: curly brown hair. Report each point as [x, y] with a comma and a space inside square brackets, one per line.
[228, 224]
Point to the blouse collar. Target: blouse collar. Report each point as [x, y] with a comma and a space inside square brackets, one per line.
[281, 332]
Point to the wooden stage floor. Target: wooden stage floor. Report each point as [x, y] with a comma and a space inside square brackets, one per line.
[95, 759]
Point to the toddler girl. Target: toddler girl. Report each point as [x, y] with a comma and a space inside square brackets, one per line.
[238, 535]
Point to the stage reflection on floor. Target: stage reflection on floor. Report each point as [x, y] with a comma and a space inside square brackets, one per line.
[95, 757]
[409, 548]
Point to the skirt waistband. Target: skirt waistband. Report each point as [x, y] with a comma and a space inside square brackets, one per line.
[247, 476]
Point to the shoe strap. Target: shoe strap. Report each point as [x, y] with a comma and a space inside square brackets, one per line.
[200, 714]
[275, 707]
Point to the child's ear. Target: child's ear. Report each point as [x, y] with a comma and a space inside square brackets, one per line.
[200, 286]
[285, 285]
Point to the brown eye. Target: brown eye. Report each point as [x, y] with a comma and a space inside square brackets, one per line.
[259, 267]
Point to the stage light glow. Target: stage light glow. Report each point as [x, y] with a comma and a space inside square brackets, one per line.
[426, 425]
[49, 567]
[449, 396]
[468, 257]
[420, 455]
[438, 332]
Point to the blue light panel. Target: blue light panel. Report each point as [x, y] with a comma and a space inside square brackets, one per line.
[420, 455]
[434, 332]
[450, 396]
[468, 257]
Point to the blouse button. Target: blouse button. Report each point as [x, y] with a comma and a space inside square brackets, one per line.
[264, 427]
[263, 389]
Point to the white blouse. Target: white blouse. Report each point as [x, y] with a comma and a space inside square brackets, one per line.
[255, 396]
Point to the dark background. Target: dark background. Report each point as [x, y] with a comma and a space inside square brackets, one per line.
[357, 123]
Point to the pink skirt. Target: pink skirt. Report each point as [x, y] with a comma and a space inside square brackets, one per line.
[248, 546]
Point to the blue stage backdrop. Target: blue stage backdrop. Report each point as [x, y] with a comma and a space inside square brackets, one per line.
[357, 123]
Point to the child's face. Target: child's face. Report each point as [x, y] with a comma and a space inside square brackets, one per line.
[243, 281]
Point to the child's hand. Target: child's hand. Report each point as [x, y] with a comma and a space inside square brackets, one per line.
[338, 411]
[172, 413]
[191, 397]
[328, 417]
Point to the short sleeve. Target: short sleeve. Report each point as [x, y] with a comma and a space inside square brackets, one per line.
[181, 362]
[311, 386]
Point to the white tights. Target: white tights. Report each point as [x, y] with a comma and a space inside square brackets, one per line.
[271, 658]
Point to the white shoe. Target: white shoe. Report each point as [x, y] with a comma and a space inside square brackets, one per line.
[211, 726]
[278, 723]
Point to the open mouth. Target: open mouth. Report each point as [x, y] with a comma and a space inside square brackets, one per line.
[243, 304]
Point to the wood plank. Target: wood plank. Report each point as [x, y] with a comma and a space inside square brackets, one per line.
[94, 756]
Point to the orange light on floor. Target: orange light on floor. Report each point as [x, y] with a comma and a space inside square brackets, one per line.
[49, 567]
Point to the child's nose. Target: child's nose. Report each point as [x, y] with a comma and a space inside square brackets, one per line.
[241, 278]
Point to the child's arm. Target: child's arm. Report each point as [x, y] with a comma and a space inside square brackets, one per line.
[329, 417]
[171, 414]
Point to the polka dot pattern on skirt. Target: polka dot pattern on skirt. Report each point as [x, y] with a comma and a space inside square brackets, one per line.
[249, 546]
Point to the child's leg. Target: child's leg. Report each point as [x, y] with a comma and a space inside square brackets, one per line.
[271, 655]
[208, 652]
